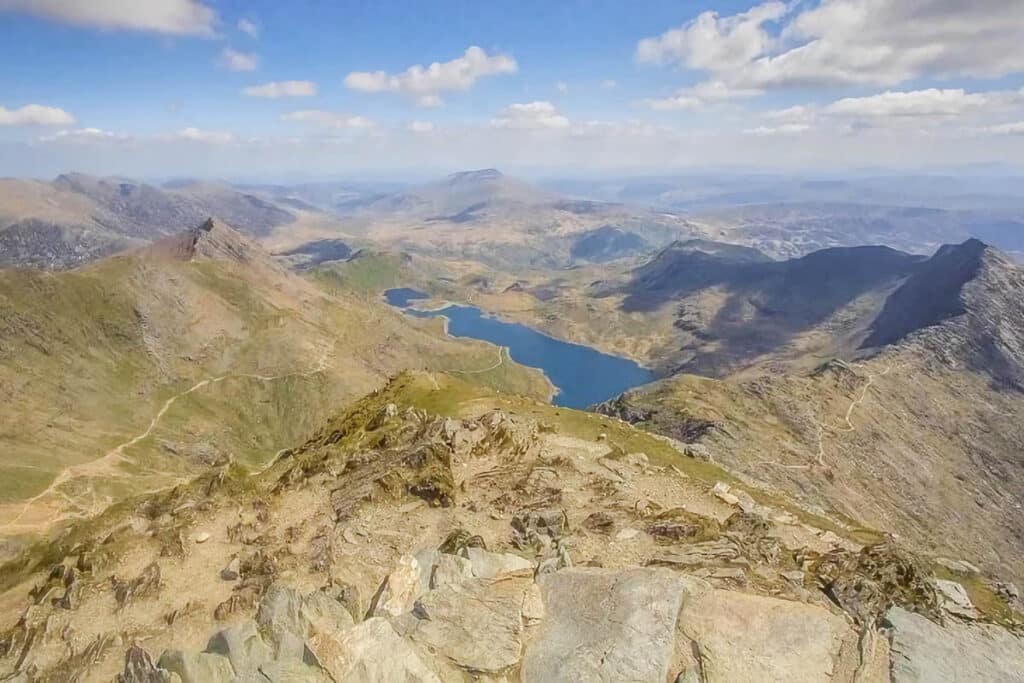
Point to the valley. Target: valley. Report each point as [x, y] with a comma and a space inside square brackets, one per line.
[320, 393]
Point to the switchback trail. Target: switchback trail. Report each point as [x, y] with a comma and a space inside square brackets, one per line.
[847, 418]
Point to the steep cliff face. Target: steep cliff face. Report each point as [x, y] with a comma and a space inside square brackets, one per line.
[439, 532]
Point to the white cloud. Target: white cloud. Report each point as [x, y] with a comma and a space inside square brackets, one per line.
[213, 137]
[249, 27]
[328, 119]
[175, 17]
[530, 116]
[700, 95]
[799, 113]
[278, 89]
[425, 84]
[931, 102]
[233, 60]
[421, 126]
[1013, 128]
[82, 135]
[783, 129]
[609, 84]
[714, 43]
[617, 129]
[35, 115]
[844, 42]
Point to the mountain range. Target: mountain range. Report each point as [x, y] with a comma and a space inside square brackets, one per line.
[224, 457]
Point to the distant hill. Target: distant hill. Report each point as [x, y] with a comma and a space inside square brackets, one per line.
[78, 218]
[508, 223]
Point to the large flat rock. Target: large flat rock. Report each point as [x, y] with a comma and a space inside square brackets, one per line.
[743, 637]
[924, 652]
[370, 652]
[477, 625]
[606, 625]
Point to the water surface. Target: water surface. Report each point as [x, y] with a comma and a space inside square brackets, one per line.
[583, 375]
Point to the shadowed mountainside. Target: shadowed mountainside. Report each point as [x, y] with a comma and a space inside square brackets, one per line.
[922, 437]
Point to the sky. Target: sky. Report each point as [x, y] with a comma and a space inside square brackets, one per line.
[262, 89]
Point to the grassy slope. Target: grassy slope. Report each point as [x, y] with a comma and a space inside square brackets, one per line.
[89, 357]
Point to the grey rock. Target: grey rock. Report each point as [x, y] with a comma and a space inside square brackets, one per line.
[201, 667]
[321, 612]
[139, 668]
[281, 621]
[450, 569]
[477, 624]
[398, 592]
[230, 572]
[923, 651]
[243, 646]
[954, 599]
[750, 638]
[708, 552]
[606, 625]
[370, 652]
[291, 671]
[488, 565]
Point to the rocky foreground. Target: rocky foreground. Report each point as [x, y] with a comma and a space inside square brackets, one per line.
[491, 539]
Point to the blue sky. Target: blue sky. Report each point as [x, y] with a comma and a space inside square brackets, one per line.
[108, 87]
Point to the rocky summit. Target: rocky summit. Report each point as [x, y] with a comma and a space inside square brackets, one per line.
[438, 532]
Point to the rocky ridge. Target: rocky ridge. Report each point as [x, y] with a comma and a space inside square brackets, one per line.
[430, 534]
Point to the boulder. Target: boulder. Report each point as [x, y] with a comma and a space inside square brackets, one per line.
[322, 612]
[368, 653]
[291, 671]
[954, 599]
[202, 667]
[139, 668]
[450, 569]
[488, 565]
[280, 620]
[743, 637]
[400, 589]
[607, 625]
[477, 624]
[924, 651]
[243, 646]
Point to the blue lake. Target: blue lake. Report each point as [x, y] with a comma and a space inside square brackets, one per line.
[584, 376]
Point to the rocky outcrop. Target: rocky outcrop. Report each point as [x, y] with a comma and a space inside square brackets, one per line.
[554, 557]
[922, 650]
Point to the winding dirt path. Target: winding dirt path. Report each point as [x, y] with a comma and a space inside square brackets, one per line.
[847, 418]
[501, 359]
[105, 464]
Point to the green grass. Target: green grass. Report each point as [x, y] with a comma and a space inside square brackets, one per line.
[991, 606]
[368, 274]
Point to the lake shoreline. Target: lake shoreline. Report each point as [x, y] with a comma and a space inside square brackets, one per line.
[581, 375]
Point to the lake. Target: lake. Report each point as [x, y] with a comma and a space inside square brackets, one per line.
[583, 375]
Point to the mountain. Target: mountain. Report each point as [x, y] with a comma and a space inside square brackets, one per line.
[78, 218]
[506, 223]
[146, 367]
[788, 229]
[434, 530]
[607, 243]
[920, 434]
